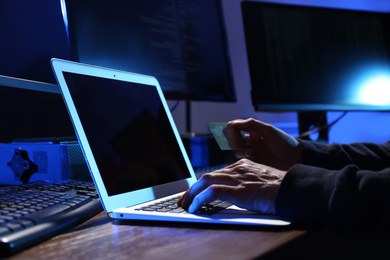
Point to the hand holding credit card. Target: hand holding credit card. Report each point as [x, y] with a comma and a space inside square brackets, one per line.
[227, 137]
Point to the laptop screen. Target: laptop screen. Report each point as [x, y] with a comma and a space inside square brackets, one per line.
[128, 131]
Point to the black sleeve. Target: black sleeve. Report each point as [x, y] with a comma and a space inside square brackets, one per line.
[351, 191]
[336, 156]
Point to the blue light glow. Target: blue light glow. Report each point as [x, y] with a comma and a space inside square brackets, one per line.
[64, 16]
[376, 90]
[372, 86]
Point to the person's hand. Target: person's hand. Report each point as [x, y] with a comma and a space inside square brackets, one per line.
[245, 184]
[269, 145]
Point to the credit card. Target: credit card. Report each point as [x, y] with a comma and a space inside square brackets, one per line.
[227, 137]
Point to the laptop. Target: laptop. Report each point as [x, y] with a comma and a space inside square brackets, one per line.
[132, 146]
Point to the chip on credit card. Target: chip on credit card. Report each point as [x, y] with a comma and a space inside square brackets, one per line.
[227, 137]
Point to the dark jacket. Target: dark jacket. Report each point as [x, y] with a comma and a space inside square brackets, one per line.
[344, 186]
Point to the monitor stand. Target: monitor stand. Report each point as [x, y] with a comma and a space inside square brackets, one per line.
[310, 121]
[188, 117]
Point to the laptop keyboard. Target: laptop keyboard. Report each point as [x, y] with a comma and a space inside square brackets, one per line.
[170, 206]
[33, 212]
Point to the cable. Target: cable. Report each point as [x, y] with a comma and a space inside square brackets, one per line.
[320, 128]
[175, 106]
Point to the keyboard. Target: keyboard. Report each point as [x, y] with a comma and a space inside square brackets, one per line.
[31, 213]
[170, 206]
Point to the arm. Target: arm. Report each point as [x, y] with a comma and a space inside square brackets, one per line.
[250, 184]
[336, 156]
[342, 185]
[345, 199]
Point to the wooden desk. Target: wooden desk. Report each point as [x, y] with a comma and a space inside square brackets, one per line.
[103, 238]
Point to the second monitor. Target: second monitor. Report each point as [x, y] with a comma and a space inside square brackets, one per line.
[181, 43]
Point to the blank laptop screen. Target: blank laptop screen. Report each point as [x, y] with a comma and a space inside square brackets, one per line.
[129, 133]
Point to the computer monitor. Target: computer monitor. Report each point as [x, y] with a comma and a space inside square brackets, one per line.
[305, 58]
[32, 33]
[311, 58]
[31, 106]
[32, 111]
[180, 42]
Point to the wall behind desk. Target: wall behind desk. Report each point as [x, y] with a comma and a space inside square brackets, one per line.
[355, 127]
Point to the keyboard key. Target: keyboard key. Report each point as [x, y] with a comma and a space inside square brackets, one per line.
[178, 210]
[4, 231]
[46, 214]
